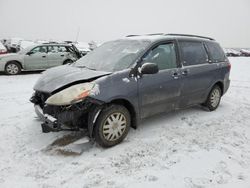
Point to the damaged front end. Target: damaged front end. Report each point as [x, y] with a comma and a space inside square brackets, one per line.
[68, 110]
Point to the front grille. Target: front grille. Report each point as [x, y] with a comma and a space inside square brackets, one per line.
[41, 97]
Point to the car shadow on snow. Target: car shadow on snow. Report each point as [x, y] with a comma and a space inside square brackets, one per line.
[23, 73]
[75, 143]
[172, 116]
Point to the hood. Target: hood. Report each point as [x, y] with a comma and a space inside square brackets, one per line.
[9, 55]
[58, 77]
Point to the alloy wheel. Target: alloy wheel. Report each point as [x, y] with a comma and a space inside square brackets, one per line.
[12, 68]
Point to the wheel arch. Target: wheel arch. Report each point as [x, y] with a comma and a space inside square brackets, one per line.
[130, 108]
[65, 61]
[221, 85]
[16, 61]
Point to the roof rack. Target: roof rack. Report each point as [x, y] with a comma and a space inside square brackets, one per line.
[187, 35]
[50, 43]
[151, 34]
[172, 34]
[155, 34]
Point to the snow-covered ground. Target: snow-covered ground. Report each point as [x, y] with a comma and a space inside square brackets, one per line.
[190, 148]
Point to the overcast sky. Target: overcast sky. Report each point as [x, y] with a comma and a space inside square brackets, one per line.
[228, 21]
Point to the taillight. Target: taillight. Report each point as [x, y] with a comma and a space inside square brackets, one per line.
[229, 65]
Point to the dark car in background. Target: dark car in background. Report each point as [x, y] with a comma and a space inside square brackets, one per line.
[124, 81]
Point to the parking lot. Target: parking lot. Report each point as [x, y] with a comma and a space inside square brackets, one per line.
[188, 148]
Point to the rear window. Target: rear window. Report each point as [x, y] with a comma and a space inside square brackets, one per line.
[193, 53]
[216, 52]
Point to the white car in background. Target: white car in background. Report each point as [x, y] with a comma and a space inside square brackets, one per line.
[13, 44]
[83, 47]
[38, 57]
[230, 52]
[3, 49]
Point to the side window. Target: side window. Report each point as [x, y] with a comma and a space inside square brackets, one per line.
[53, 49]
[216, 52]
[193, 53]
[62, 49]
[39, 49]
[163, 55]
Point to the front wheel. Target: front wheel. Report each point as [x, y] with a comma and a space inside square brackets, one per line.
[214, 98]
[12, 68]
[112, 125]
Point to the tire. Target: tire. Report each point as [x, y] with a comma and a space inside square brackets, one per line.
[67, 61]
[214, 98]
[12, 68]
[112, 125]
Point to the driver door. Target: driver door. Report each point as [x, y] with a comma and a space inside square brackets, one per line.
[160, 92]
[36, 58]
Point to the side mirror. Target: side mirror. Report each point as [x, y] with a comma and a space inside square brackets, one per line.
[29, 53]
[149, 68]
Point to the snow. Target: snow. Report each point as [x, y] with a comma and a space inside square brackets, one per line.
[126, 80]
[26, 43]
[189, 148]
[2, 47]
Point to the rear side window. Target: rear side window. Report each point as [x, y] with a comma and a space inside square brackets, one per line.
[62, 49]
[193, 53]
[56, 49]
[216, 52]
[163, 55]
[39, 49]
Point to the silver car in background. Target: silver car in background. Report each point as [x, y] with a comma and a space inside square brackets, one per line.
[38, 57]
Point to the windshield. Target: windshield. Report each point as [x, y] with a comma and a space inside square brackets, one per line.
[113, 56]
[25, 50]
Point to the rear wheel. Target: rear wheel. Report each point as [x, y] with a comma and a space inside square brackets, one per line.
[112, 125]
[12, 68]
[214, 98]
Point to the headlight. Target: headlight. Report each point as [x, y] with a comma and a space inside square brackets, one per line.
[71, 95]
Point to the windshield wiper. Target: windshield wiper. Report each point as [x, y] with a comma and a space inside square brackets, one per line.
[83, 66]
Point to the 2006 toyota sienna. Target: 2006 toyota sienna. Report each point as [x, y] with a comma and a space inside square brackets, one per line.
[123, 81]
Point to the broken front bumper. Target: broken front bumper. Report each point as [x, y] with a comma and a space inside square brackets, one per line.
[80, 116]
[50, 123]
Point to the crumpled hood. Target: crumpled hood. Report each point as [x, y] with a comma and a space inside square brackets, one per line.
[55, 78]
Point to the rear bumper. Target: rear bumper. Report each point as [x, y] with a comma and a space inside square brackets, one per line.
[226, 86]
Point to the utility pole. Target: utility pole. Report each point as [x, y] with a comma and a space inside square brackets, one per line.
[77, 34]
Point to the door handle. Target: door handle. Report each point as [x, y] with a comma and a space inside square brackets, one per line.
[175, 75]
[184, 73]
[44, 56]
[62, 55]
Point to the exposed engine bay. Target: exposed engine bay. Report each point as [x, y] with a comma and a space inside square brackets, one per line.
[74, 117]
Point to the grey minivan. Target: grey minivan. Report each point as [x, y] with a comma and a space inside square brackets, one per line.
[38, 57]
[123, 81]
